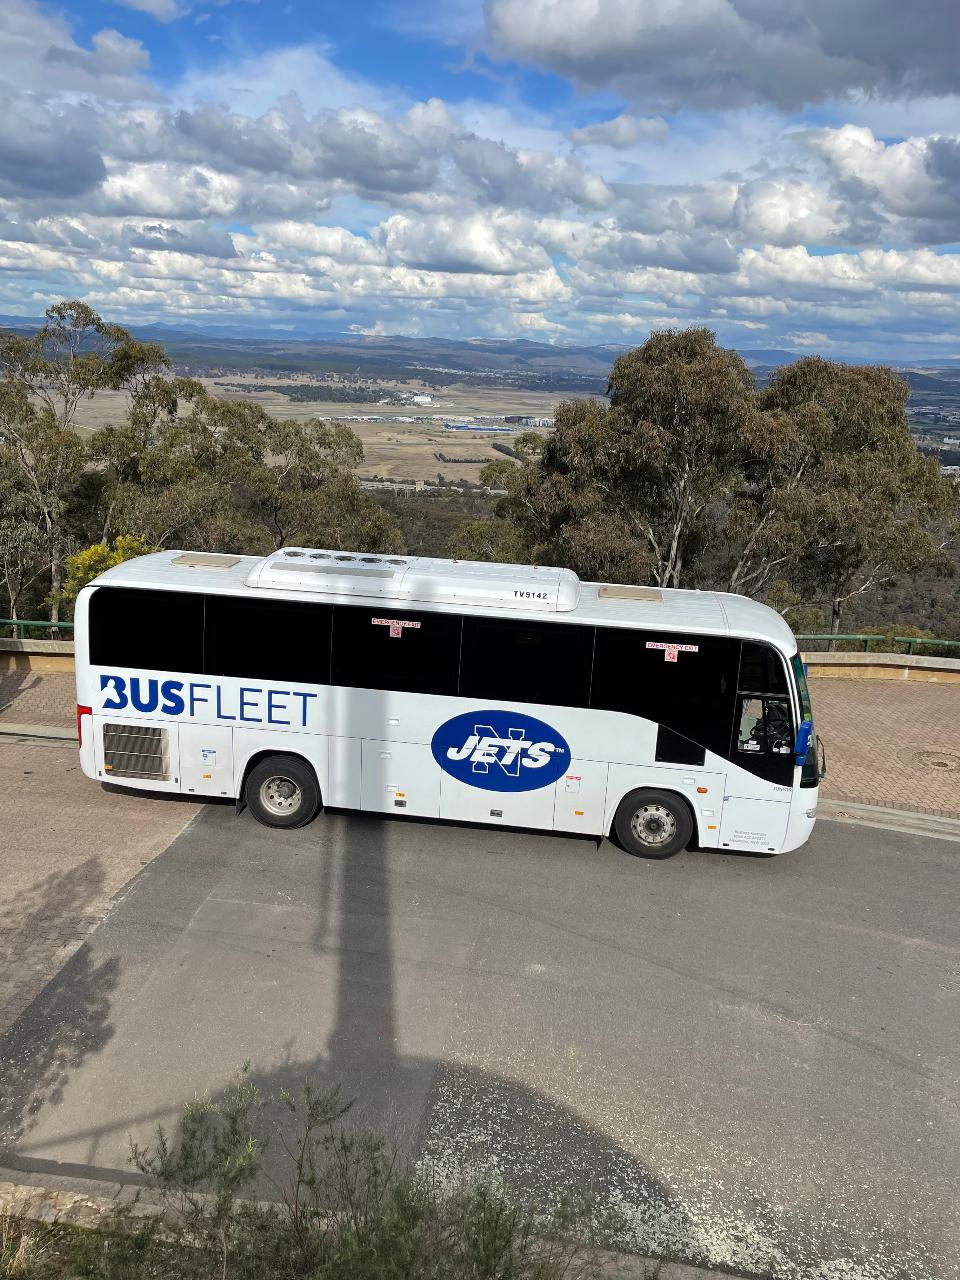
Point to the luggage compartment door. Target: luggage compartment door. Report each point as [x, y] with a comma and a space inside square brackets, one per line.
[206, 759]
[399, 777]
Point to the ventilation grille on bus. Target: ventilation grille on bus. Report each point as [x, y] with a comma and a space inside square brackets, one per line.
[413, 578]
[132, 751]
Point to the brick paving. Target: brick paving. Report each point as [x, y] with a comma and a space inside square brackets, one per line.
[27, 697]
[894, 743]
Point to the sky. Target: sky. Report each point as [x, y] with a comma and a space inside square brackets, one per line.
[570, 171]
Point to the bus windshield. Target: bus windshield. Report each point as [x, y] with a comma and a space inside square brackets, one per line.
[806, 710]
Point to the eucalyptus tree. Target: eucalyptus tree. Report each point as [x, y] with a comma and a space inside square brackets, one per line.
[636, 489]
[44, 377]
[863, 506]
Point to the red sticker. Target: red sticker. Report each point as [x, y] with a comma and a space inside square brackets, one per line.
[670, 651]
[396, 625]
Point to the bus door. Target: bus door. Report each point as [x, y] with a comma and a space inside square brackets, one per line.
[756, 806]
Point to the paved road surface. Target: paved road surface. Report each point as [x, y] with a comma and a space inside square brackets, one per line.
[755, 1059]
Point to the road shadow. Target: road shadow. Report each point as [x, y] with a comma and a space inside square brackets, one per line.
[70, 1018]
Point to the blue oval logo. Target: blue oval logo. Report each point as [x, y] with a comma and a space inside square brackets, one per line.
[500, 751]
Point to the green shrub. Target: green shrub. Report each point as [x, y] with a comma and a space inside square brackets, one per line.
[348, 1207]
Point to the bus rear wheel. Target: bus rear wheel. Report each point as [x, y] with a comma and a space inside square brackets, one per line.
[653, 824]
[282, 791]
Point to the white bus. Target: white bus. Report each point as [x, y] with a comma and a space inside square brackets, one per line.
[488, 693]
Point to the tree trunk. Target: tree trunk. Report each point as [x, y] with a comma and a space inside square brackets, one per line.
[836, 613]
[56, 586]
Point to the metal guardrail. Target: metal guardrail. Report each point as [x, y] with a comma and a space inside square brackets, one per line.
[20, 626]
[867, 640]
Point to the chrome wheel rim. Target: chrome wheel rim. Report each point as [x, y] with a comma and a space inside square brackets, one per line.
[653, 825]
[280, 796]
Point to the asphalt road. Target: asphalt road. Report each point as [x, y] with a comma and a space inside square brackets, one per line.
[755, 1061]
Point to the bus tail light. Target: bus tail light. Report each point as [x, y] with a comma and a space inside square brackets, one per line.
[81, 712]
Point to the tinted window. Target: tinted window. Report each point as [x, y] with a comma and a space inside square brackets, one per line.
[389, 648]
[507, 661]
[267, 639]
[674, 748]
[155, 630]
[686, 683]
[764, 742]
[761, 669]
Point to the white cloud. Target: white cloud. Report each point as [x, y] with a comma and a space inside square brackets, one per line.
[39, 56]
[622, 131]
[162, 10]
[499, 244]
[304, 76]
[276, 184]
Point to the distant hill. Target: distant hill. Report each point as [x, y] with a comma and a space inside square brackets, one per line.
[772, 357]
[524, 362]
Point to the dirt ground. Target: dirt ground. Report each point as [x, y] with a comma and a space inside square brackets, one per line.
[392, 449]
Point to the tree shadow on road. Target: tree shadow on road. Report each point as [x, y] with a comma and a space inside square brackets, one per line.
[14, 681]
[62, 1022]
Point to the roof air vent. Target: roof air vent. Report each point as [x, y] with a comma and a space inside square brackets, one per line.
[531, 589]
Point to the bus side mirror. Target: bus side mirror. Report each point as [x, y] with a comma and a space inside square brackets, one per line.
[802, 745]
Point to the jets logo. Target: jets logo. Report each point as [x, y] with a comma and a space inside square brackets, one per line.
[485, 748]
[500, 751]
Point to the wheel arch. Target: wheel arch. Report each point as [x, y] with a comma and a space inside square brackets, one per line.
[264, 753]
[664, 789]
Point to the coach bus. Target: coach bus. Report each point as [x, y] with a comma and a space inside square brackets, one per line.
[485, 693]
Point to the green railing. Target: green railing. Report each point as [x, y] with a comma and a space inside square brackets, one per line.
[867, 640]
[22, 625]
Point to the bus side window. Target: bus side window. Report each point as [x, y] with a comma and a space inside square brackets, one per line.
[762, 669]
[267, 639]
[395, 649]
[690, 690]
[152, 630]
[752, 735]
[545, 662]
[764, 727]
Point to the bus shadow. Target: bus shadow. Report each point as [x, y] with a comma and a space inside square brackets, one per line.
[168, 797]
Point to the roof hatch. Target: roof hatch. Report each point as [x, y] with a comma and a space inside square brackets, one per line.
[413, 578]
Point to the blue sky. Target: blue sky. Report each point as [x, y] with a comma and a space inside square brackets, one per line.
[785, 171]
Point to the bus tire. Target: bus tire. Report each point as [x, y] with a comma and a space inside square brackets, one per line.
[653, 824]
[282, 791]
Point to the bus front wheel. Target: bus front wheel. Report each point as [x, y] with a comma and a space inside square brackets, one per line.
[282, 791]
[653, 824]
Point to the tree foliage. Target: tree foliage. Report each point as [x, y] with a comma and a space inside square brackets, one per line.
[809, 491]
[183, 468]
[811, 488]
[629, 491]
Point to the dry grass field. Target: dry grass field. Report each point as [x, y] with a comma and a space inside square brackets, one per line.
[392, 449]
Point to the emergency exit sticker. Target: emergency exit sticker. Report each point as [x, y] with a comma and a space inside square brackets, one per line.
[396, 625]
[670, 650]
